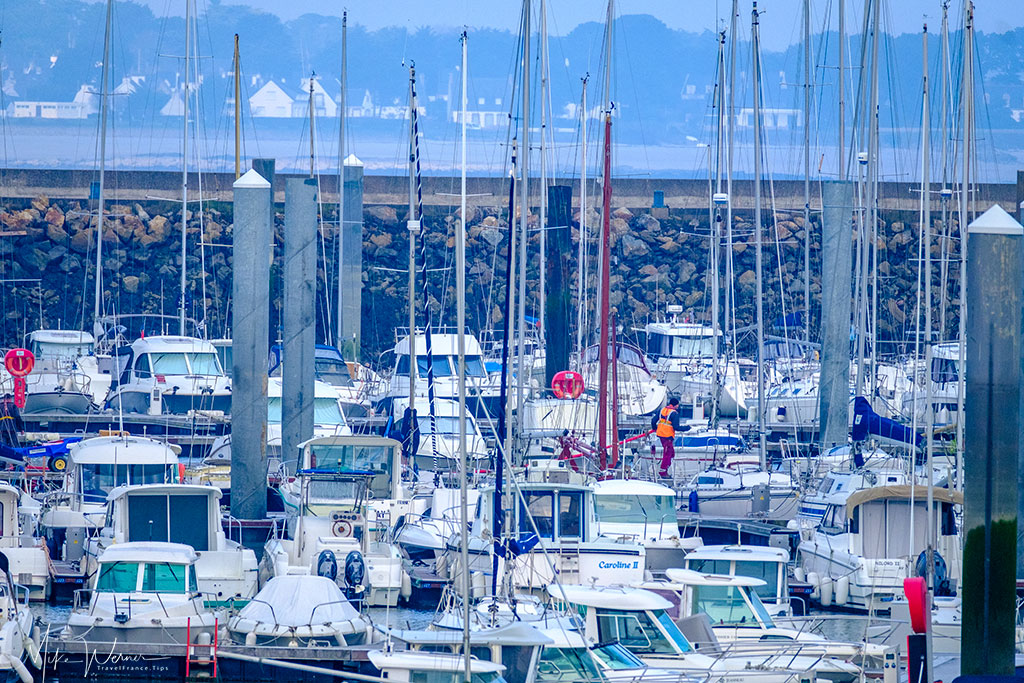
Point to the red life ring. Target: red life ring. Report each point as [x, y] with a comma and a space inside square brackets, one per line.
[567, 384]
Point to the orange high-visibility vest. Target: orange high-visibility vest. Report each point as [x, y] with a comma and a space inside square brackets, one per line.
[665, 427]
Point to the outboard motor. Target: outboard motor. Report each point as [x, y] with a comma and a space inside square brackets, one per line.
[327, 565]
[940, 574]
[355, 573]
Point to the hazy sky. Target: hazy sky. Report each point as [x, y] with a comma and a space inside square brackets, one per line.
[780, 19]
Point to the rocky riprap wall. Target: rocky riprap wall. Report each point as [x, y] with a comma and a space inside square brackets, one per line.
[47, 254]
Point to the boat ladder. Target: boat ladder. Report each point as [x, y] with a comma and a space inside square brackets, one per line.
[190, 649]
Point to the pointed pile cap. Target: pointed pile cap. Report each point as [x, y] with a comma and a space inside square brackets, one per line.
[251, 180]
[353, 160]
[996, 221]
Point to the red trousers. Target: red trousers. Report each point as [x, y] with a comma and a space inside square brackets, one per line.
[668, 451]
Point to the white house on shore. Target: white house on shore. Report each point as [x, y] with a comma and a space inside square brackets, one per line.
[271, 101]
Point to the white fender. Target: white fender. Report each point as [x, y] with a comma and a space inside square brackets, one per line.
[812, 578]
[441, 566]
[203, 653]
[9, 662]
[250, 638]
[842, 590]
[479, 584]
[799, 574]
[406, 589]
[32, 648]
[826, 591]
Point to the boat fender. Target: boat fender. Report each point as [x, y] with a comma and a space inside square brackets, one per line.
[799, 574]
[812, 578]
[479, 584]
[7, 661]
[327, 565]
[694, 501]
[32, 648]
[842, 590]
[441, 566]
[826, 591]
[250, 638]
[355, 569]
[406, 589]
[203, 656]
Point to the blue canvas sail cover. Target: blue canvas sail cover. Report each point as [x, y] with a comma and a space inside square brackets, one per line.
[867, 422]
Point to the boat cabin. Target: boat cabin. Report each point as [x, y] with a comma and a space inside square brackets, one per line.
[149, 567]
[641, 509]
[416, 667]
[767, 565]
[328, 365]
[174, 513]
[730, 601]
[61, 345]
[680, 340]
[169, 375]
[100, 464]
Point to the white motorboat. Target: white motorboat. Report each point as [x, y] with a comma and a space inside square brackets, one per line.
[870, 540]
[95, 467]
[553, 533]
[422, 534]
[639, 620]
[342, 500]
[300, 611]
[433, 666]
[646, 513]
[330, 367]
[225, 570]
[767, 565]
[146, 593]
[66, 377]
[741, 490]
[19, 634]
[169, 375]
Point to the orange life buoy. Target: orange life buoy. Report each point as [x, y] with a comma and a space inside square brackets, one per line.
[567, 384]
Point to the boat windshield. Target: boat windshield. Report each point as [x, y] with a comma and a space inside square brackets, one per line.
[44, 350]
[767, 571]
[372, 459]
[326, 411]
[118, 577]
[692, 347]
[724, 605]
[441, 367]
[190, 363]
[334, 371]
[636, 631]
[448, 426]
[614, 656]
[566, 664]
[635, 509]
[99, 479]
[164, 578]
[474, 366]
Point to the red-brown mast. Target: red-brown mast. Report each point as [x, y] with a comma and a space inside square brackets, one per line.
[602, 391]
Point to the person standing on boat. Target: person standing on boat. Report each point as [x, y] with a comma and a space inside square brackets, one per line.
[668, 425]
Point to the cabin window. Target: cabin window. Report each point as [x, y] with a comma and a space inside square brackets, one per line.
[948, 520]
[616, 657]
[177, 518]
[474, 366]
[142, 369]
[710, 566]
[98, 480]
[540, 506]
[439, 364]
[766, 571]
[944, 370]
[693, 347]
[633, 629]
[164, 578]
[855, 521]
[372, 460]
[710, 481]
[566, 664]
[723, 604]
[334, 371]
[118, 577]
[169, 363]
[635, 509]
[570, 515]
[204, 364]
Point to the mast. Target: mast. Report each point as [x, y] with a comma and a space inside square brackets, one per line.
[312, 145]
[414, 229]
[842, 89]
[945, 193]
[926, 234]
[238, 113]
[730, 331]
[581, 261]
[341, 171]
[758, 230]
[807, 172]
[965, 194]
[184, 166]
[524, 222]
[460, 305]
[603, 317]
[716, 236]
[873, 162]
[104, 93]
[543, 222]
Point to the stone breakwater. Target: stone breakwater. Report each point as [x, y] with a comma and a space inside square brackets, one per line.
[48, 252]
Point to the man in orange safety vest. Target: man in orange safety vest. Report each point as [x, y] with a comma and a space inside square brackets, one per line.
[666, 430]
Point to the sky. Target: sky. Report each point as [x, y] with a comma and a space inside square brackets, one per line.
[780, 19]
